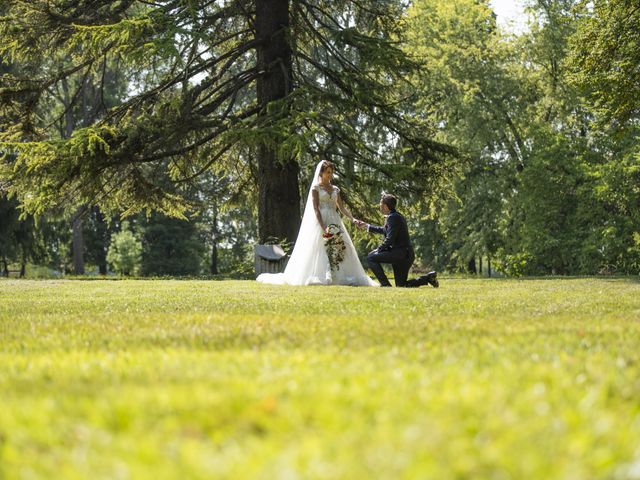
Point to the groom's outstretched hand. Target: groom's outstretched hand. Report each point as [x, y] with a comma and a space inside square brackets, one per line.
[360, 224]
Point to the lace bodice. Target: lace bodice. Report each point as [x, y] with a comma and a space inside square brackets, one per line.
[327, 200]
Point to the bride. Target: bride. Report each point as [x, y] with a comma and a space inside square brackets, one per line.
[309, 263]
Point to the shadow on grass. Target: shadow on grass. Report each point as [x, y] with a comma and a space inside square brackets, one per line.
[220, 277]
[606, 278]
[244, 276]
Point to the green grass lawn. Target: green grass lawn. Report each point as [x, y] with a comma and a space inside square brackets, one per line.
[491, 379]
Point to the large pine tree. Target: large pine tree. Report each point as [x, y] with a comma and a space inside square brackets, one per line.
[210, 82]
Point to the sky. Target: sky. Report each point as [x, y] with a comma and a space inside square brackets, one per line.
[510, 14]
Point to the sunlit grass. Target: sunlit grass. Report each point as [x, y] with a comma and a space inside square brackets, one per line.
[204, 379]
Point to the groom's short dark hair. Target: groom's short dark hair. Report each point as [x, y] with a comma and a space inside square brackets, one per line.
[389, 200]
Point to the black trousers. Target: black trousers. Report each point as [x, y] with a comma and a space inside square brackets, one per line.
[400, 258]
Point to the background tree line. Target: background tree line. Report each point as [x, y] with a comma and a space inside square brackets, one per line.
[510, 153]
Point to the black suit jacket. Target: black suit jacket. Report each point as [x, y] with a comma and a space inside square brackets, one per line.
[395, 231]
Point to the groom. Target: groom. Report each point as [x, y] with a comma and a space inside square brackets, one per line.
[395, 249]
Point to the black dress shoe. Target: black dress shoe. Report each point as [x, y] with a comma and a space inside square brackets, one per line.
[412, 283]
[421, 281]
[432, 279]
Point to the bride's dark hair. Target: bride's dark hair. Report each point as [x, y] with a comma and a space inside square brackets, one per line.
[326, 164]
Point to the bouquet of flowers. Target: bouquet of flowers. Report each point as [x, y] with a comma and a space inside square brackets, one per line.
[334, 243]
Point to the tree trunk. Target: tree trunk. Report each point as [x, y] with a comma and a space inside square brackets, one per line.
[472, 265]
[23, 263]
[214, 242]
[349, 172]
[489, 266]
[78, 243]
[69, 120]
[278, 190]
[214, 258]
[5, 267]
[105, 237]
[76, 222]
[480, 269]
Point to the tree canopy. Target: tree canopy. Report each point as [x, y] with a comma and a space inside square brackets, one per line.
[258, 85]
[606, 55]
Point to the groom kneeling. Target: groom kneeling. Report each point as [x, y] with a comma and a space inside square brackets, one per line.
[396, 248]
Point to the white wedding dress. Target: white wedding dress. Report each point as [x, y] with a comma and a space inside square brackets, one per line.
[309, 263]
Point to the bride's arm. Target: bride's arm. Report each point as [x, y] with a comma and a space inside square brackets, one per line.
[316, 207]
[343, 208]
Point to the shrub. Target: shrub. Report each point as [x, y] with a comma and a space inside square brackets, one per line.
[125, 251]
